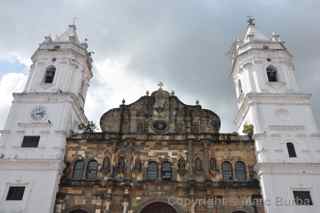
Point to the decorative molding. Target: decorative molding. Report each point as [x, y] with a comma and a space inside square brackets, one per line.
[5, 132]
[57, 97]
[258, 61]
[302, 135]
[29, 165]
[316, 135]
[62, 132]
[286, 127]
[297, 168]
[275, 85]
[275, 135]
[270, 98]
[34, 125]
[44, 132]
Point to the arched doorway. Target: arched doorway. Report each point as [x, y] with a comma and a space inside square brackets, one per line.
[78, 211]
[158, 207]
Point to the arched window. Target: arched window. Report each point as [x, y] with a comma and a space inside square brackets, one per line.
[166, 170]
[92, 169]
[272, 73]
[152, 170]
[106, 166]
[78, 169]
[213, 164]
[50, 73]
[291, 150]
[240, 171]
[198, 164]
[227, 171]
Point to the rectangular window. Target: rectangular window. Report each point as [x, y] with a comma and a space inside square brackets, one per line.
[15, 193]
[30, 141]
[302, 198]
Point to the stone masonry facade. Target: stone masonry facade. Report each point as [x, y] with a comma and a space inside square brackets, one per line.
[159, 150]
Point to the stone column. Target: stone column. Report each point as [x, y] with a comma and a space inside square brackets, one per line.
[126, 201]
[107, 201]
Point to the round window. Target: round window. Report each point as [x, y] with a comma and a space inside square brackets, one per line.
[159, 125]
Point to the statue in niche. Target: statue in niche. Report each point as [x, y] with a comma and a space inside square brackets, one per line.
[213, 164]
[106, 166]
[121, 165]
[198, 164]
[181, 164]
[137, 165]
[67, 170]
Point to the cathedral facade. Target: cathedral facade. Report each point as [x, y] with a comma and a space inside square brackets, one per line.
[159, 154]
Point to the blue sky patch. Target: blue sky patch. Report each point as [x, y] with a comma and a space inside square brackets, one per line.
[7, 66]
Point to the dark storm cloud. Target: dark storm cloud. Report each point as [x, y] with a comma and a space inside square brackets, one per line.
[183, 43]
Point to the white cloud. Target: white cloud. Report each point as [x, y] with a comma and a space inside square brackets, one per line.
[9, 83]
[13, 57]
[112, 82]
[183, 45]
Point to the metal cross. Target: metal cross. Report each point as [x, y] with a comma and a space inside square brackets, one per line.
[251, 20]
[160, 84]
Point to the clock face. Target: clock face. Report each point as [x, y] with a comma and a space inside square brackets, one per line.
[38, 113]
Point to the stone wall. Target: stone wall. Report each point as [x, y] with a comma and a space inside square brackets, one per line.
[196, 183]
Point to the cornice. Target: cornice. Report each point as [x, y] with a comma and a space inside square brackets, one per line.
[288, 168]
[53, 97]
[31, 165]
[270, 98]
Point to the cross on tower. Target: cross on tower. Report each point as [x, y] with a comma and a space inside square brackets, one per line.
[251, 20]
[160, 84]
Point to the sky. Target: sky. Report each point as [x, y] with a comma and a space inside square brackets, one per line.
[182, 43]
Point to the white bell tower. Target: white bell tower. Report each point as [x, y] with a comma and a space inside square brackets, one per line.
[32, 144]
[286, 134]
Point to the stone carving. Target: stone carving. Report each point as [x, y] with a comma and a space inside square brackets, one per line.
[198, 164]
[160, 113]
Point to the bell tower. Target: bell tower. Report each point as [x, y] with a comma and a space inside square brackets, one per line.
[286, 132]
[50, 108]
